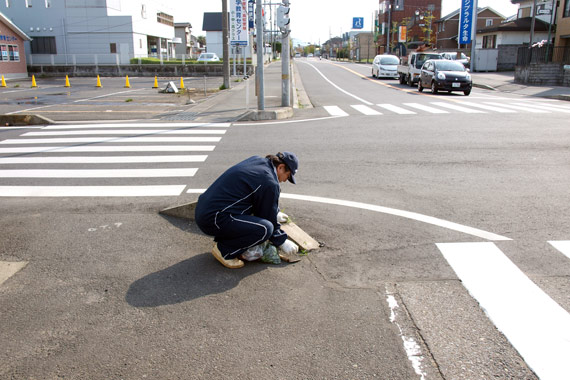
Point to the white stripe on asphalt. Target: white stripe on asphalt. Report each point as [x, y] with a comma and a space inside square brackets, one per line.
[365, 110]
[98, 173]
[91, 191]
[456, 107]
[338, 88]
[129, 132]
[486, 107]
[114, 148]
[139, 125]
[425, 108]
[521, 108]
[335, 111]
[83, 140]
[547, 107]
[535, 325]
[563, 246]
[100, 159]
[396, 109]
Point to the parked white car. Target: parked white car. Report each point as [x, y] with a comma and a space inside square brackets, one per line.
[385, 66]
[208, 57]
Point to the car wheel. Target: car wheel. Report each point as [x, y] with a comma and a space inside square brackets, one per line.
[420, 87]
[467, 92]
[433, 88]
[402, 81]
[373, 76]
[410, 82]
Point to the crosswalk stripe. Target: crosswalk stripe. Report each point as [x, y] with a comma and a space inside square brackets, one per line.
[521, 108]
[335, 111]
[486, 107]
[562, 246]
[425, 108]
[82, 140]
[547, 107]
[98, 173]
[536, 325]
[92, 191]
[139, 125]
[101, 159]
[396, 109]
[456, 107]
[365, 110]
[129, 132]
[114, 148]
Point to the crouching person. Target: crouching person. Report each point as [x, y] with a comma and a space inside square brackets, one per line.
[240, 209]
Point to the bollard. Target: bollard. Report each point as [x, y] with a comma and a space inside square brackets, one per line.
[98, 82]
[3, 82]
[181, 83]
[127, 84]
[155, 82]
[67, 84]
[34, 82]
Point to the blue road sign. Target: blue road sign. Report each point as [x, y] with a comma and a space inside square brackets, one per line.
[466, 21]
[357, 22]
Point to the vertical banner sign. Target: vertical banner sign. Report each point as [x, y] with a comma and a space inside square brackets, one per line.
[239, 23]
[251, 12]
[402, 34]
[466, 21]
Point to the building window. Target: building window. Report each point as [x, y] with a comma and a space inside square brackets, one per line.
[43, 45]
[164, 18]
[48, 3]
[4, 50]
[489, 42]
[567, 9]
[28, 3]
[140, 43]
[143, 11]
[113, 48]
[13, 53]
[489, 22]
[524, 12]
[7, 3]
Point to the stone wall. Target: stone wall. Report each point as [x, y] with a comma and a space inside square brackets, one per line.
[507, 59]
[135, 70]
[550, 74]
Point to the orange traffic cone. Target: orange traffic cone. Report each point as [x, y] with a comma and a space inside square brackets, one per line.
[127, 84]
[98, 82]
[67, 84]
[155, 82]
[34, 81]
[3, 82]
[181, 83]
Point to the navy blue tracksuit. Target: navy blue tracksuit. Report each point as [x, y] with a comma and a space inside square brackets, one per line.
[240, 208]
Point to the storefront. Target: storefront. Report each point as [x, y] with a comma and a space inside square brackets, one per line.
[12, 55]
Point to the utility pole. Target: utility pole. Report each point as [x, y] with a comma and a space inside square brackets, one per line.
[259, 69]
[283, 24]
[532, 25]
[226, 53]
[474, 36]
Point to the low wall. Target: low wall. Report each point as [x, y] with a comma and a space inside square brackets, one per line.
[507, 59]
[135, 70]
[552, 74]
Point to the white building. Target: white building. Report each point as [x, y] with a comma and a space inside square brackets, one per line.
[93, 31]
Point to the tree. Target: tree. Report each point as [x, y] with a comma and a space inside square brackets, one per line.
[201, 40]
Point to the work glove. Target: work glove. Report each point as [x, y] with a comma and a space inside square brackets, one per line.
[289, 248]
[282, 217]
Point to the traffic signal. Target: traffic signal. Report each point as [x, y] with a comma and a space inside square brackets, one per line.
[283, 19]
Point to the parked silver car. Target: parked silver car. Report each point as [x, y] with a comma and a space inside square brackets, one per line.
[385, 66]
[465, 60]
[208, 57]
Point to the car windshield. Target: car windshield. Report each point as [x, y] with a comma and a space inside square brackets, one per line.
[449, 66]
[389, 61]
[421, 58]
[454, 56]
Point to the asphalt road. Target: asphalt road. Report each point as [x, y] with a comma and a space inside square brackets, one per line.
[113, 290]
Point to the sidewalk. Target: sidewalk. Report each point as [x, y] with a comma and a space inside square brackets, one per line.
[504, 82]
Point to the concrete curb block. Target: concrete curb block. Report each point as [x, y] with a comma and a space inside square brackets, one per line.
[559, 97]
[300, 94]
[274, 114]
[20, 120]
[486, 87]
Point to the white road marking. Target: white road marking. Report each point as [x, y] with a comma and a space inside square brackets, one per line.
[335, 111]
[396, 109]
[91, 191]
[100, 159]
[98, 173]
[10, 268]
[456, 107]
[521, 108]
[536, 326]
[486, 107]
[84, 140]
[547, 107]
[129, 132]
[115, 148]
[563, 246]
[195, 191]
[292, 121]
[425, 108]
[365, 110]
[338, 88]
[139, 125]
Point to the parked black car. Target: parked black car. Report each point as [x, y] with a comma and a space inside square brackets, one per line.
[442, 74]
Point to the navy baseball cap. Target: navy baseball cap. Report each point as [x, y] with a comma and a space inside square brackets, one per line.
[292, 162]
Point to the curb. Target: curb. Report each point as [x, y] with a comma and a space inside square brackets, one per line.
[484, 86]
[22, 120]
[274, 114]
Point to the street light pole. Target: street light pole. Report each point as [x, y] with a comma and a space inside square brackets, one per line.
[226, 53]
[259, 70]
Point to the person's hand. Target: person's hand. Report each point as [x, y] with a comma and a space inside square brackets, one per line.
[288, 247]
[282, 217]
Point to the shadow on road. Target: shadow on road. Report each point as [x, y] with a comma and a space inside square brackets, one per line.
[196, 277]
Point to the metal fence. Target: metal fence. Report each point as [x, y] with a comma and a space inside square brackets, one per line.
[544, 54]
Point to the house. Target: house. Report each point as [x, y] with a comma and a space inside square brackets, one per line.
[447, 28]
[562, 37]
[364, 46]
[183, 40]
[12, 58]
[92, 32]
[212, 25]
[516, 32]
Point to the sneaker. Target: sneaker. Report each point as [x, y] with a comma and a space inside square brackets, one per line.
[231, 263]
[289, 258]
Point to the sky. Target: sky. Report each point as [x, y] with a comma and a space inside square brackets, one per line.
[314, 21]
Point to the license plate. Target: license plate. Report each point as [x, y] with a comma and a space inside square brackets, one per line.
[456, 84]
